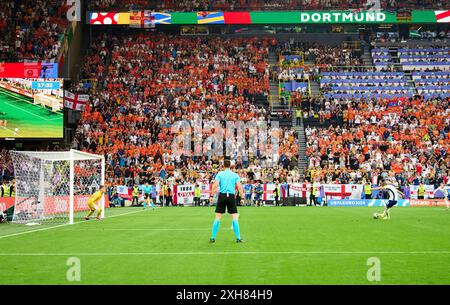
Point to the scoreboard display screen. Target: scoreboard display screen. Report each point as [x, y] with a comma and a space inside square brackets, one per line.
[31, 108]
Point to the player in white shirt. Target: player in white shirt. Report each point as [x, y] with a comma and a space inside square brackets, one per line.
[443, 191]
[394, 195]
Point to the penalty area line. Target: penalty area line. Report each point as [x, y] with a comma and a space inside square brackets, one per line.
[64, 225]
[226, 253]
[144, 229]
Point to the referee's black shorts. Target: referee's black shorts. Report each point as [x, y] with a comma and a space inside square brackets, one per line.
[227, 203]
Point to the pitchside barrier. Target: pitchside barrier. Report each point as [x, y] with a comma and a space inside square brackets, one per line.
[383, 202]
[294, 194]
[54, 204]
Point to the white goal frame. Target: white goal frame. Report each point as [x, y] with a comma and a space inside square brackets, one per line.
[45, 100]
[72, 179]
[68, 159]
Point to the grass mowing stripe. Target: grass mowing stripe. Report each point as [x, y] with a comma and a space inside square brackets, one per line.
[9, 130]
[29, 103]
[230, 253]
[11, 94]
[21, 109]
[284, 246]
[63, 225]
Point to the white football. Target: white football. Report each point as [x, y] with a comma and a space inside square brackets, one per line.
[375, 215]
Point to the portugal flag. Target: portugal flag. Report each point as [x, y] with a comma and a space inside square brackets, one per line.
[75, 101]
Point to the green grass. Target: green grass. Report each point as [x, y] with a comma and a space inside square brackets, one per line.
[32, 121]
[287, 245]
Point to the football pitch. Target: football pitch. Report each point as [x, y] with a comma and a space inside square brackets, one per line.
[26, 120]
[284, 245]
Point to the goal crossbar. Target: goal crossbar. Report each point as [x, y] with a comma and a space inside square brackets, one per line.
[62, 155]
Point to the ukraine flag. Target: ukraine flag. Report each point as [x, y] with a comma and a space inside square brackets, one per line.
[210, 18]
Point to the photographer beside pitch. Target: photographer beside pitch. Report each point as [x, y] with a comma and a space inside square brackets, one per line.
[226, 181]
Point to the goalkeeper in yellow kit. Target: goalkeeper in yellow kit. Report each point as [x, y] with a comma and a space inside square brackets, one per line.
[93, 203]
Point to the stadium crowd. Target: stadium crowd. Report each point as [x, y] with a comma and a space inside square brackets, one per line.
[152, 83]
[32, 30]
[334, 56]
[42, 25]
[6, 165]
[145, 83]
[257, 5]
[6, 30]
[408, 137]
[321, 54]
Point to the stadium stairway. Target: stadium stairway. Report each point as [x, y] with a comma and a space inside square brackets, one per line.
[366, 56]
[275, 102]
[399, 67]
[313, 83]
[315, 87]
[393, 51]
[300, 129]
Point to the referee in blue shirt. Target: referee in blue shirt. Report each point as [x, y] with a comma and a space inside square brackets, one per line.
[226, 181]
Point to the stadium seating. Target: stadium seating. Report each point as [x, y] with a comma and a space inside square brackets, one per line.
[410, 137]
[382, 58]
[393, 120]
[365, 84]
[227, 5]
[411, 59]
[35, 30]
[6, 29]
[151, 83]
[146, 82]
[425, 58]
[430, 67]
[336, 56]
[432, 83]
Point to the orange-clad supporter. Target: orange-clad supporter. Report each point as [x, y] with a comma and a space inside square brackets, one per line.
[396, 137]
[150, 85]
[37, 30]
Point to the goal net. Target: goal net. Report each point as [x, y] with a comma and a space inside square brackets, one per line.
[53, 187]
[48, 101]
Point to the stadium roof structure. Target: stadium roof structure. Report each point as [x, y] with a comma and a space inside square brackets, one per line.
[144, 18]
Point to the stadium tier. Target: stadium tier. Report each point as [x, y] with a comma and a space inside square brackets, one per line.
[270, 5]
[129, 129]
[32, 30]
[365, 84]
[432, 83]
[150, 85]
[408, 137]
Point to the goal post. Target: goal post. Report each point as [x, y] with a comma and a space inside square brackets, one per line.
[53, 187]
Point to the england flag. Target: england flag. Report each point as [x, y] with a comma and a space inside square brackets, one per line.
[75, 101]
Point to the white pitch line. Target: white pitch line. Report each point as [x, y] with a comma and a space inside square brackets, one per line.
[21, 109]
[63, 225]
[225, 253]
[9, 130]
[142, 229]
